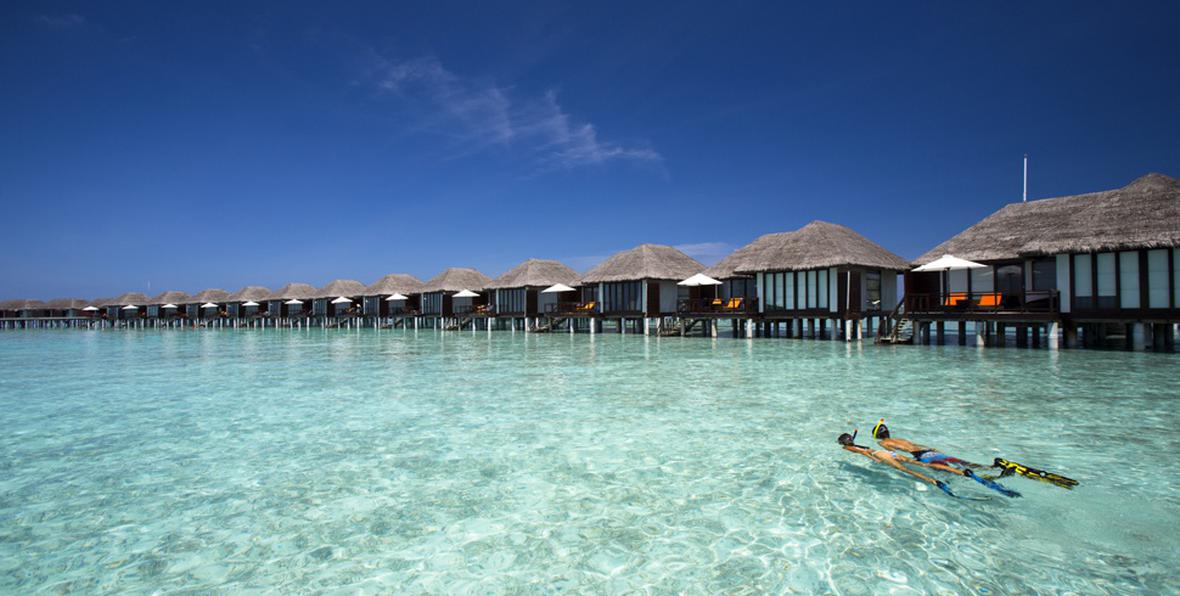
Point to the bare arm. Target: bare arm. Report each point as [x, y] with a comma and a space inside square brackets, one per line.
[897, 464]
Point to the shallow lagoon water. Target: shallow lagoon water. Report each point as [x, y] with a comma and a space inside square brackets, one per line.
[365, 461]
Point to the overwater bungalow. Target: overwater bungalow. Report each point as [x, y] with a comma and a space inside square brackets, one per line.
[248, 304]
[637, 285]
[166, 308]
[821, 281]
[518, 296]
[451, 297]
[338, 299]
[1105, 264]
[68, 308]
[394, 295]
[125, 308]
[290, 304]
[206, 308]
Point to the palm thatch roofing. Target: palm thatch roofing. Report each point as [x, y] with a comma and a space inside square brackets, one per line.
[1142, 214]
[67, 304]
[171, 297]
[817, 245]
[341, 287]
[27, 305]
[456, 279]
[536, 273]
[248, 293]
[133, 298]
[646, 261]
[394, 283]
[213, 295]
[297, 291]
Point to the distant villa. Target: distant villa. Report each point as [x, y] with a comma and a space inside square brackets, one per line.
[1093, 270]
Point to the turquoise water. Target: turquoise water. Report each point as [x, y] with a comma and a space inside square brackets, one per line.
[364, 461]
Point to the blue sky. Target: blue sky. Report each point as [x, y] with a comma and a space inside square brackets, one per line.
[225, 144]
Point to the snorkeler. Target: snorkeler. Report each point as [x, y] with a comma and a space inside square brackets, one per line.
[934, 457]
[921, 453]
[890, 459]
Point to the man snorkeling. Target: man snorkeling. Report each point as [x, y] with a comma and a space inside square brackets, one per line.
[921, 453]
[927, 455]
[890, 459]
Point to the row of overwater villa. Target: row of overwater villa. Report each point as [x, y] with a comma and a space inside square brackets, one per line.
[1094, 270]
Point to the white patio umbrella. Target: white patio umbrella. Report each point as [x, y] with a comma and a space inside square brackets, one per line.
[950, 263]
[947, 263]
[90, 308]
[168, 306]
[699, 279]
[293, 302]
[130, 307]
[208, 305]
[396, 297]
[555, 288]
[342, 300]
[465, 294]
[250, 303]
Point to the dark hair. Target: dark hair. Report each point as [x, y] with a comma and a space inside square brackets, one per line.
[881, 432]
[845, 439]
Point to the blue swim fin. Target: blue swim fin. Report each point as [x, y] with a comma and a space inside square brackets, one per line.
[945, 488]
[992, 484]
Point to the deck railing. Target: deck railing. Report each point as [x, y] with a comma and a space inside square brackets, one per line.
[1037, 301]
[572, 308]
[717, 306]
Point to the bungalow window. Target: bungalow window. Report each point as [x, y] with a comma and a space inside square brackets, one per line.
[510, 301]
[789, 290]
[822, 301]
[1157, 278]
[1106, 281]
[622, 296]
[982, 280]
[1044, 274]
[1129, 279]
[873, 289]
[1083, 282]
[1176, 278]
[811, 289]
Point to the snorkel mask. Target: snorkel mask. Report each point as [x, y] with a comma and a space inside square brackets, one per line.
[848, 440]
[880, 431]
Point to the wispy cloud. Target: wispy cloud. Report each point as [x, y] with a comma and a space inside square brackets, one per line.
[706, 252]
[61, 21]
[480, 114]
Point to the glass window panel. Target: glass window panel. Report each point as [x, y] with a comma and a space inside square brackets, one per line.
[811, 289]
[1106, 274]
[789, 295]
[1129, 279]
[1157, 279]
[1044, 274]
[822, 281]
[1082, 281]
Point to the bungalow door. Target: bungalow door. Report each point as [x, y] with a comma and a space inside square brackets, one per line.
[1010, 284]
[653, 298]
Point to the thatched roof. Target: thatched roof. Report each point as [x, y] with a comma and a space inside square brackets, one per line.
[816, 245]
[213, 295]
[394, 283]
[536, 273]
[348, 288]
[646, 261]
[297, 291]
[456, 279]
[135, 298]
[1142, 214]
[171, 297]
[27, 305]
[10, 304]
[67, 304]
[248, 293]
